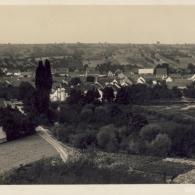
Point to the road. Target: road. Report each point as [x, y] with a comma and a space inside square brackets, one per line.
[63, 150]
[23, 151]
[30, 149]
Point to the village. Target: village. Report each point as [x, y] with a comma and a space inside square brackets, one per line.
[118, 108]
[91, 76]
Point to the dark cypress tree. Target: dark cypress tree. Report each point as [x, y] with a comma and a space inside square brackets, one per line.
[48, 76]
[39, 77]
[43, 83]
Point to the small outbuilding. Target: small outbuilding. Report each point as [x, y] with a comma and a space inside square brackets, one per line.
[169, 79]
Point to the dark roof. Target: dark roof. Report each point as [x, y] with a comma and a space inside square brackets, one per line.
[161, 71]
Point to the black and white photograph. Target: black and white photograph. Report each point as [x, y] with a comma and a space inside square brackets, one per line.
[97, 94]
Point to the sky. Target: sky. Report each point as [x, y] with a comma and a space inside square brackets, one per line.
[95, 23]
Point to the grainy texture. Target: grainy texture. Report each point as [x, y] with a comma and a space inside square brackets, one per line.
[24, 151]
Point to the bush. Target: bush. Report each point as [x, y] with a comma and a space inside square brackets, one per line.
[135, 146]
[86, 115]
[161, 145]
[150, 131]
[122, 132]
[62, 132]
[114, 110]
[89, 106]
[107, 138]
[182, 137]
[68, 115]
[83, 140]
[101, 115]
[52, 115]
[136, 122]
[190, 90]
[15, 124]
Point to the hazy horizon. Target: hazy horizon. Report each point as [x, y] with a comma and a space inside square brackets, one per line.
[97, 24]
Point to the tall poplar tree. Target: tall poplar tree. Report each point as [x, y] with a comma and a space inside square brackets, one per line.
[43, 83]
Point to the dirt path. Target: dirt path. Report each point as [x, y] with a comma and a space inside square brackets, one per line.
[63, 150]
[188, 107]
[185, 178]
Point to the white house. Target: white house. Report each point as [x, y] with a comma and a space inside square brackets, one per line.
[17, 73]
[110, 74]
[123, 80]
[145, 71]
[3, 137]
[115, 83]
[141, 80]
[58, 95]
[154, 82]
[169, 79]
[9, 74]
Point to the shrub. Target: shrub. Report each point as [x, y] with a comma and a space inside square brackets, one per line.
[75, 96]
[62, 132]
[68, 115]
[107, 139]
[101, 115]
[124, 144]
[114, 110]
[83, 140]
[16, 124]
[182, 137]
[108, 94]
[150, 131]
[123, 95]
[89, 106]
[161, 145]
[189, 91]
[136, 122]
[52, 115]
[135, 146]
[86, 115]
[122, 132]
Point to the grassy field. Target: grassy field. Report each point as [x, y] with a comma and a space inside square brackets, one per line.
[24, 151]
[96, 168]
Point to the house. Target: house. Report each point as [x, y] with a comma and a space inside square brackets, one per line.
[169, 79]
[144, 71]
[58, 95]
[115, 84]
[124, 80]
[161, 72]
[154, 82]
[141, 80]
[9, 74]
[15, 104]
[3, 137]
[17, 74]
[92, 78]
[110, 74]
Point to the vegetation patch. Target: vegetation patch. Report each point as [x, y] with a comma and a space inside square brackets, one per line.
[96, 168]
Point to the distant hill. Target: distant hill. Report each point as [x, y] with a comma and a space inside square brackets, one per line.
[141, 55]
